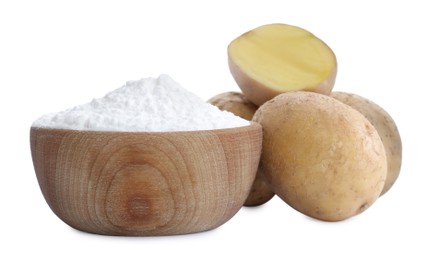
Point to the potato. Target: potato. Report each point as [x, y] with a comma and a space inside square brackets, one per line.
[321, 156]
[277, 58]
[386, 128]
[237, 104]
[260, 192]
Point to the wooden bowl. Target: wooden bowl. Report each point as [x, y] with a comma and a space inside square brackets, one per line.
[146, 184]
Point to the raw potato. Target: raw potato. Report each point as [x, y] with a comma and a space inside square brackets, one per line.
[277, 58]
[237, 104]
[386, 128]
[260, 192]
[321, 156]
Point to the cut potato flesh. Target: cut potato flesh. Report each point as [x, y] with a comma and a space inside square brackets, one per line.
[278, 58]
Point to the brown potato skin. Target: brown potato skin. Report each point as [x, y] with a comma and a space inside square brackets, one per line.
[259, 93]
[321, 156]
[260, 192]
[237, 104]
[386, 128]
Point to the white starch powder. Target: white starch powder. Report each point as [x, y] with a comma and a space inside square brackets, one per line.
[146, 105]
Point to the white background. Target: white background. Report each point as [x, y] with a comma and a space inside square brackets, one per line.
[54, 55]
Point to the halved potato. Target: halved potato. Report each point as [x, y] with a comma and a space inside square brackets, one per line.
[278, 58]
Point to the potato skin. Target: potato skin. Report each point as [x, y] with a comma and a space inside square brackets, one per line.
[321, 156]
[260, 192]
[237, 104]
[386, 128]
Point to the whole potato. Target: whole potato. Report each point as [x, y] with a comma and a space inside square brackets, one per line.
[386, 128]
[237, 104]
[321, 156]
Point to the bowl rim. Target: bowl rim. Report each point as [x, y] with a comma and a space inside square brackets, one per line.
[251, 125]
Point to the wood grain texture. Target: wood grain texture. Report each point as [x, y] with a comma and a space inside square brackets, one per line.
[144, 184]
